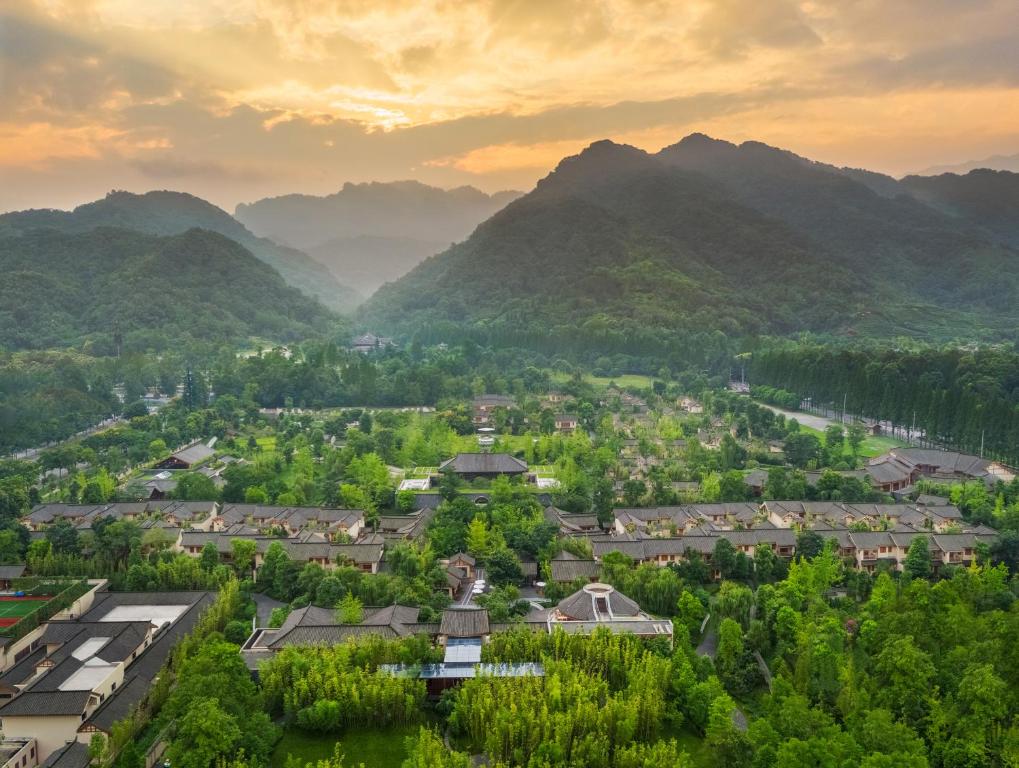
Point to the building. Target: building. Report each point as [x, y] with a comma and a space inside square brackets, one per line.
[188, 457]
[599, 605]
[484, 406]
[197, 514]
[901, 467]
[79, 677]
[488, 466]
[566, 422]
[8, 573]
[369, 342]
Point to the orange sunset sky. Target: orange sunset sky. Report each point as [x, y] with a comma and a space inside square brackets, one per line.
[238, 99]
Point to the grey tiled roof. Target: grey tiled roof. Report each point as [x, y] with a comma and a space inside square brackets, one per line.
[464, 622]
[484, 463]
[46, 704]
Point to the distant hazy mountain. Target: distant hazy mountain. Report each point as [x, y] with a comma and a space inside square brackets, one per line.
[63, 288]
[368, 234]
[987, 198]
[619, 250]
[169, 213]
[993, 163]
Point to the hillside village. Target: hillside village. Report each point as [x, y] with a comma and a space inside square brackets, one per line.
[487, 540]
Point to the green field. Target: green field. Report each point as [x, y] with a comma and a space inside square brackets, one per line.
[376, 748]
[15, 609]
[871, 447]
[624, 380]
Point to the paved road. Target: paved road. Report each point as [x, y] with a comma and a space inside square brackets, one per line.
[819, 423]
[709, 645]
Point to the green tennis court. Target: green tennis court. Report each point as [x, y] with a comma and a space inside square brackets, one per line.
[16, 607]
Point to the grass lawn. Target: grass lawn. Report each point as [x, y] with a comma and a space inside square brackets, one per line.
[624, 380]
[869, 448]
[875, 446]
[376, 748]
[267, 443]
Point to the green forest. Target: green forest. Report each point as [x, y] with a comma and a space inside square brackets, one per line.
[963, 398]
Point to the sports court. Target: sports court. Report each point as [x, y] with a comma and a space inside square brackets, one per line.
[12, 609]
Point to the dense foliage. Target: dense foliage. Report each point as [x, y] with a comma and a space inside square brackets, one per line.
[173, 213]
[968, 399]
[120, 288]
[687, 255]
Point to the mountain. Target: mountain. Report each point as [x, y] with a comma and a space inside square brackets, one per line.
[940, 258]
[618, 250]
[993, 163]
[64, 288]
[984, 197]
[170, 213]
[371, 233]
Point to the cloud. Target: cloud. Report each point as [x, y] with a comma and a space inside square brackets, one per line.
[731, 27]
[238, 98]
[47, 71]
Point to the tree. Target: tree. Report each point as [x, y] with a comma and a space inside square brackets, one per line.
[63, 537]
[855, 436]
[158, 449]
[194, 486]
[243, 554]
[205, 734]
[809, 544]
[633, 491]
[730, 454]
[255, 494]
[210, 556]
[349, 610]
[479, 539]
[918, 559]
[449, 485]
[801, 448]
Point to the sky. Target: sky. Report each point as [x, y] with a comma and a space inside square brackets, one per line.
[234, 100]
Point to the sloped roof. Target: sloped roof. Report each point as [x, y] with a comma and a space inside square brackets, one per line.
[564, 571]
[484, 463]
[195, 453]
[582, 604]
[46, 704]
[464, 622]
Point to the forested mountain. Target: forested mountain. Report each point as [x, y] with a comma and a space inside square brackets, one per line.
[63, 288]
[618, 251]
[171, 213]
[984, 197]
[369, 234]
[897, 240]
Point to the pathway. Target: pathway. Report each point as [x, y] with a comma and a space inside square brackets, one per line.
[819, 423]
[264, 606]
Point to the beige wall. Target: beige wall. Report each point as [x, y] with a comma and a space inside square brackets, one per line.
[51, 733]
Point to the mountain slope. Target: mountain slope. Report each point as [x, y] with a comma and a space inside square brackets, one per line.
[369, 234]
[62, 288]
[618, 250]
[170, 213]
[987, 198]
[616, 247]
[943, 259]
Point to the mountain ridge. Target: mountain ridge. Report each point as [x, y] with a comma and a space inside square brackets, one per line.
[68, 288]
[166, 212]
[705, 236]
[371, 233]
